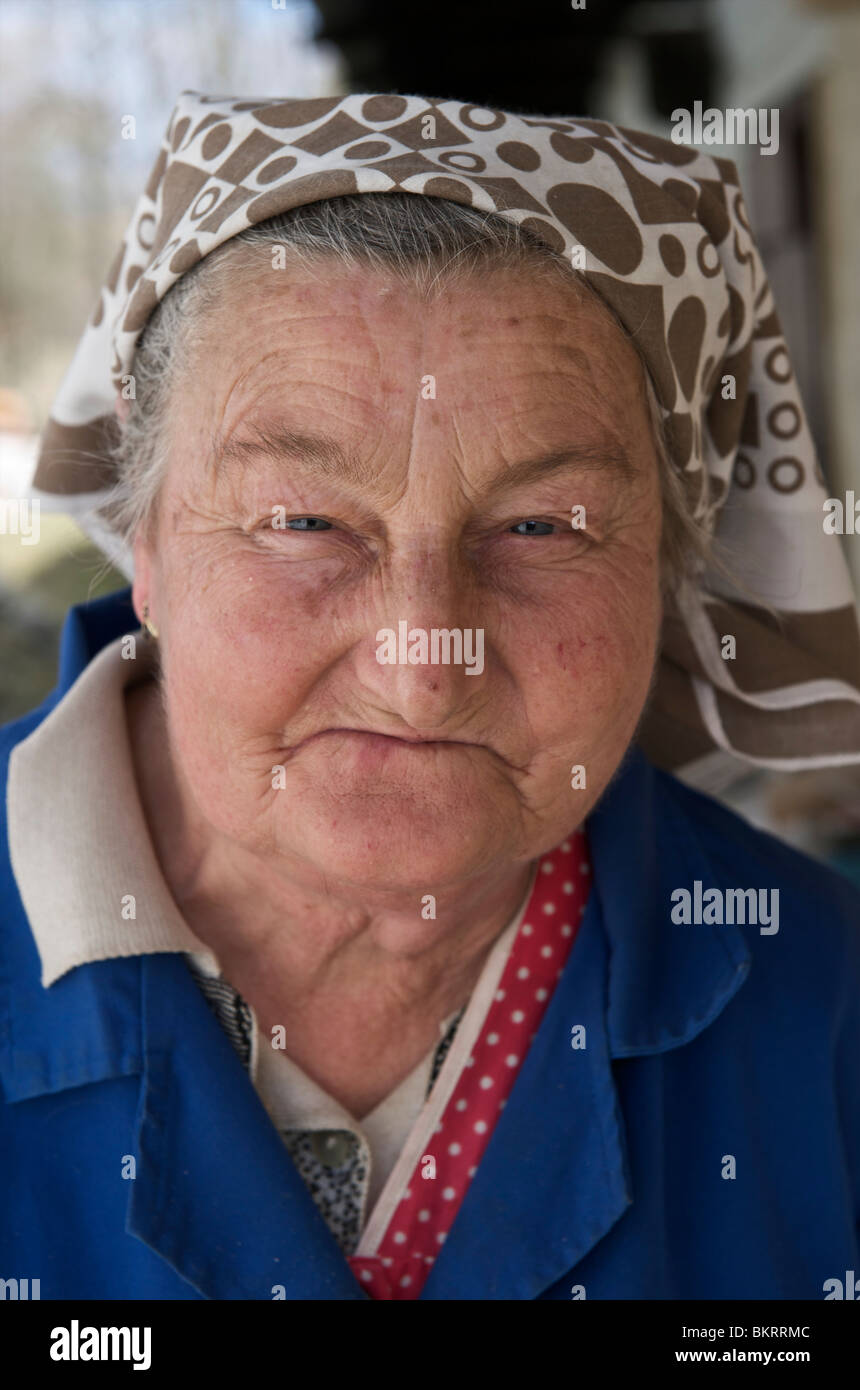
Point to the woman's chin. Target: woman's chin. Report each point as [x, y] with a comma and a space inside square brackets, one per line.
[399, 846]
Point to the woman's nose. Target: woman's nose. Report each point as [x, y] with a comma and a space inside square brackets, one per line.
[424, 655]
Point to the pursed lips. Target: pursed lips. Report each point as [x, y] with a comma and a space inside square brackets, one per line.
[370, 738]
[390, 738]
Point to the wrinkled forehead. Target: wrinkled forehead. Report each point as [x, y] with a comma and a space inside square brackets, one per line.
[352, 374]
[255, 313]
[494, 341]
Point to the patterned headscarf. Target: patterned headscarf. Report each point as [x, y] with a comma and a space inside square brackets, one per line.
[661, 234]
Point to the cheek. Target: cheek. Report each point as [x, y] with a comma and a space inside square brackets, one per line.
[586, 665]
[245, 647]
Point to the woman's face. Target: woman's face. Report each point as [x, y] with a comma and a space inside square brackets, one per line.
[345, 458]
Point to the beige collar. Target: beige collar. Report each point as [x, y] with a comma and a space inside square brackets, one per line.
[78, 840]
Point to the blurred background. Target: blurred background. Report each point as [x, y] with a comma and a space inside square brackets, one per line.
[72, 70]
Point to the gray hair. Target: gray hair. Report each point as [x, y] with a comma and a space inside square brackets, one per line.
[425, 242]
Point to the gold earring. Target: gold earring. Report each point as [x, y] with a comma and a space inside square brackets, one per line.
[151, 629]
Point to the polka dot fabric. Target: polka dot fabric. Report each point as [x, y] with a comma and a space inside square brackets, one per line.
[420, 1225]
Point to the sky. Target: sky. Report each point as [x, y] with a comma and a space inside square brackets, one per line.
[135, 56]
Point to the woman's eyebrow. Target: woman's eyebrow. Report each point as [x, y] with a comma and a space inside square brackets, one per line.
[277, 442]
[331, 460]
[573, 458]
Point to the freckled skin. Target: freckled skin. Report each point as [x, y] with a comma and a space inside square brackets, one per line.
[268, 637]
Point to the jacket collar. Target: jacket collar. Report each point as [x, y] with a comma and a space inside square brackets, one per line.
[92, 812]
[243, 1225]
[666, 982]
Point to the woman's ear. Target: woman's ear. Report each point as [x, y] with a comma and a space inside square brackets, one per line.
[141, 589]
[121, 408]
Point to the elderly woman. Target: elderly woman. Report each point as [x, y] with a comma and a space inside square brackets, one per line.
[356, 940]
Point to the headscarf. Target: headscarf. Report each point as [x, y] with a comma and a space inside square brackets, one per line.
[661, 234]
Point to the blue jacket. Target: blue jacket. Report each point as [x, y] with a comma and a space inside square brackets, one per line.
[608, 1169]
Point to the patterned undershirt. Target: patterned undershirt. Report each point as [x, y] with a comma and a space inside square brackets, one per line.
[338, 1184]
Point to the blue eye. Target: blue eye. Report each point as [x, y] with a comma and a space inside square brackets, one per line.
[309, 523]
[531, 528]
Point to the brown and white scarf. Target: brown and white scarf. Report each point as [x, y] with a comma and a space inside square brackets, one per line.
[661, 233]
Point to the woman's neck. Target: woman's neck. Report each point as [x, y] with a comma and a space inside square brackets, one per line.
[306, 949]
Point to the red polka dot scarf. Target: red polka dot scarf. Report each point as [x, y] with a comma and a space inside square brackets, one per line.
[660, 232]
[404, 1256]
